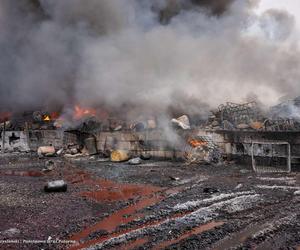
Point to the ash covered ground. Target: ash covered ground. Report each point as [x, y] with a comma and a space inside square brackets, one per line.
[155, 205]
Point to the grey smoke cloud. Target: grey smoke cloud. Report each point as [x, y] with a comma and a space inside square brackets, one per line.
[152, 55]
[277, 24]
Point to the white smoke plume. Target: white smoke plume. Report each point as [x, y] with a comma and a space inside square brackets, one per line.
[154, 55]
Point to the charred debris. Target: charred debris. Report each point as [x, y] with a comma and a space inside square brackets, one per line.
[270, 141]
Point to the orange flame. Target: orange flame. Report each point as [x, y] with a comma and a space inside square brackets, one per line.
[196, 143]
[80, 112]
[47, 118]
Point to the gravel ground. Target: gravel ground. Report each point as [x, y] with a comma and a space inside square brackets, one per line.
[155, 205]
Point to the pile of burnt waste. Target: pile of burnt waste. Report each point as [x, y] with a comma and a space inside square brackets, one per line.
[182, 137]
[250, 116]
[31, 120]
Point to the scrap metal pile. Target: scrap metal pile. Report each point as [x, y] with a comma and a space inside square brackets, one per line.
[249, 116]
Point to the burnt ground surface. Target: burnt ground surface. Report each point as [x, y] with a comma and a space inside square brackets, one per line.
[155, 205]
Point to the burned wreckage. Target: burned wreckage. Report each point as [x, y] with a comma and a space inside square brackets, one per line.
[240, 132]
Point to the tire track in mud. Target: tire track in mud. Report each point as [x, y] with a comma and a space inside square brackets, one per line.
[260, 229]
[197, 230]
[197, 218]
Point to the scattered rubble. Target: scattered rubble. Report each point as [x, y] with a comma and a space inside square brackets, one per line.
[182, 122]
[49, 166]
[145, 156]
[118, 128]
[135, 161]
[56, 186]
[73, 155]
[46, 151]
[174, 178]
[60, 152]
[297, 192]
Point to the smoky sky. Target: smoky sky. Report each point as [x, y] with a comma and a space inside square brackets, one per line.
[147, 54]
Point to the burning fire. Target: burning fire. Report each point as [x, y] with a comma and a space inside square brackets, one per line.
[80, 112]
[46, 118]
[50, 116]
[196, 143]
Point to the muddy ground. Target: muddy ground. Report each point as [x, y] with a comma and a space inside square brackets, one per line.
[155, 205]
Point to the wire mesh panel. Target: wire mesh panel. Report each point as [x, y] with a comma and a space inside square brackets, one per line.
[201, 149]
[274, 157]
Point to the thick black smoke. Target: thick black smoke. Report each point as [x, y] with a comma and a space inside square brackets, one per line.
[154, 55]
[168, 9]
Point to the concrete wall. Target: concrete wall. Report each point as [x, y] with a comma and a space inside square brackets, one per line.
[153, 142]
[230, 143]
[240, 142]
[31, 140]
[15, 141]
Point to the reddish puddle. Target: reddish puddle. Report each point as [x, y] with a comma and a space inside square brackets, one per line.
[113, 221]
[21, 173]
[110, 191]
[116, 218]
[197, 230]
[77, 177]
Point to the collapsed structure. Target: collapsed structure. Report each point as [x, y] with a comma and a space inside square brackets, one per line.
[234, 131]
